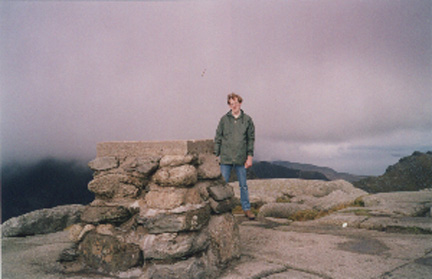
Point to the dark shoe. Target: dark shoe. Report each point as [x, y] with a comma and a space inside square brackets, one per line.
[249, 214]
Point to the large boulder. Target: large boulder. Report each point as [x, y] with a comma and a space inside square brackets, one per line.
[209, 167]
[307, 192]
[224, 239]
[105, 214]
[184, 175]
[107, 253]
[43, 221]
[103, 163]
[184, 218]
[173, 245]
[115, 185]
[285, 197]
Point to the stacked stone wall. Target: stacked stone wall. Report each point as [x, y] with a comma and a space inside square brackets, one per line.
[161, 210]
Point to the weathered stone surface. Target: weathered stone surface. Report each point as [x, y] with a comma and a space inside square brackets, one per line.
[105, 214]
[74, 232]
[224, 238]
[176, 160]
[281, 210]
[184, 175]
[105, 229]
[313, 193]
[103, 163]
[150, 215]
[292, 248]
[173, 245]
[192, 268]
[334, 199]
[402, 224]
[193, 196]
[106, 253]
[202, 189]
[146, 148]
[400, 203]
[166, 197]
[184, 218]
[220, 207]
[87, 228]
[69, 254]
[220, 193]
[78, 231]
[209, 167]
[143, 165]
[106, 186]
[43, 221]
[126, 191]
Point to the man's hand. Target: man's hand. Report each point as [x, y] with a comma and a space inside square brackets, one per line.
[248, 163]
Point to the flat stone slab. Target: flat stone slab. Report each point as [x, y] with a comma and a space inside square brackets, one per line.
[124, 149]
[329, 252]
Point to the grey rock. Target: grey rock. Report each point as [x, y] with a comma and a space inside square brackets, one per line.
[224, 238]
[43, 221]
[184, 175]
[209, 167]
[400, 203]
[224, 206]
[177, 160]
[105, 214]
[184, 218]
[165, 197]
[221, 192]
[166, 246]
[69, 254]
[270, 190]
[108, 185]
[403, 224]
[281, 210]
[103, 163]
[202, 187]
[106, 253]
[192, 268]
[126, 191]
[143, 165]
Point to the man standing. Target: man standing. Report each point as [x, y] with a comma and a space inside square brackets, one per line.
[234, 143]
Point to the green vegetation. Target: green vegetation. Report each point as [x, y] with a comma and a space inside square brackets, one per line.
[411, 173]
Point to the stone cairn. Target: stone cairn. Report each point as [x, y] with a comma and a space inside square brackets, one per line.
[161, 210]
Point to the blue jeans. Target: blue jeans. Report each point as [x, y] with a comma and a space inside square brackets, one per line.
[241, 175]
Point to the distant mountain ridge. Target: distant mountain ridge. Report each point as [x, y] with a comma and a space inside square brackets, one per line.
[265, 170]
[330, 173]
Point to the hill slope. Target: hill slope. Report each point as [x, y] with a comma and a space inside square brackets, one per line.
[268, 170]
[330, 173]
[45, 184]
[411, 173]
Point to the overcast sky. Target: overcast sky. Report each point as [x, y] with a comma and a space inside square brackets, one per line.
[344, 84]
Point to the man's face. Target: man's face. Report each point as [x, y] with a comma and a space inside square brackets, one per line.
[235, 106]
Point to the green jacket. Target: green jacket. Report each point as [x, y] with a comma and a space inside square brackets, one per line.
[234, 139]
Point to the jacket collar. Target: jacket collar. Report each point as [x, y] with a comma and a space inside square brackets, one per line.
[229, 113]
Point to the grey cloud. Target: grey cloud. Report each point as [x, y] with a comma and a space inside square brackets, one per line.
[319, 78]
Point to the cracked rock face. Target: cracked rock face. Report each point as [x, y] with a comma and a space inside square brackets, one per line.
[169, 207]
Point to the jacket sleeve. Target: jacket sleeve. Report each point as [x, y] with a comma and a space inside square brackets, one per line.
[218, 138]
[250, 138]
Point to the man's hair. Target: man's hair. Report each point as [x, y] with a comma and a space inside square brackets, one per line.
[234, 96]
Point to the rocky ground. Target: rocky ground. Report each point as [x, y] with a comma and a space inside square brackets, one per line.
[387, 235]
[270, 249]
